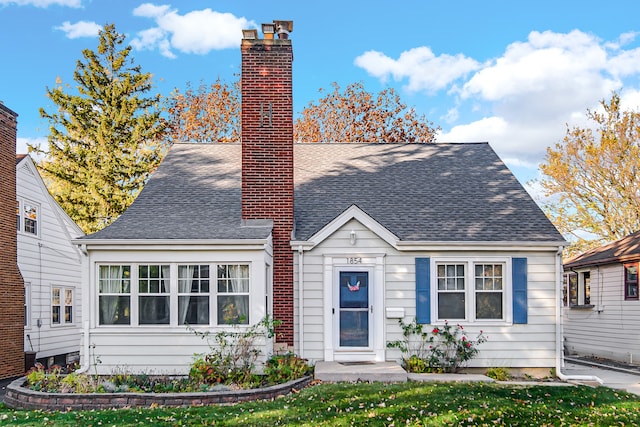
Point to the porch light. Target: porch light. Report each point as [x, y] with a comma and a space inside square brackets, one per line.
[352, 237]
[250, 34]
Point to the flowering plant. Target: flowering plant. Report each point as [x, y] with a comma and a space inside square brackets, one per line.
[445, 348]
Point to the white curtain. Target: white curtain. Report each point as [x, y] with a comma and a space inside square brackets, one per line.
[112, 281]
[185, 275]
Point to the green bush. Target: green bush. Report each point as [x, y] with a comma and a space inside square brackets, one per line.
[232, 355]
[498, 374]
[445, 349]
[285, 367]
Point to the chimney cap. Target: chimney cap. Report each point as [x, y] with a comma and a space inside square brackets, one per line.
[283, 28]
[250, 34]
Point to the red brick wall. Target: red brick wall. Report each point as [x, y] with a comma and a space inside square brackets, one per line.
[11, 284]
[267, 159]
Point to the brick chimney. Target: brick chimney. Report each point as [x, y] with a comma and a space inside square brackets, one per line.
[11, 283]
[267, 153]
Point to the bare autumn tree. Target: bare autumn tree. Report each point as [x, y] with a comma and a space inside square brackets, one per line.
[355, 115]
[206, 114]
[593, 177]
[212, 114]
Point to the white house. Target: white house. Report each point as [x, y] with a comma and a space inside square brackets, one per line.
[50, 265]
[339, 241]
[601, 313]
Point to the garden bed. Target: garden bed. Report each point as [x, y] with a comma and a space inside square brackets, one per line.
[20, 397]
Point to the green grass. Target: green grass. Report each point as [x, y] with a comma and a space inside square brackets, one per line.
[415, 404]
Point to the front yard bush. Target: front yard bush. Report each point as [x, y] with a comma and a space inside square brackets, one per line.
[444, 348]
[230, 363]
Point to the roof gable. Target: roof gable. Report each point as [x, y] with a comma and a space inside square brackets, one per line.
[353, 212]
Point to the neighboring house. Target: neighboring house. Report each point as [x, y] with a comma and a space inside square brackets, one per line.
[601, 313]
[50, 265]
[339, 241]
[12, 358]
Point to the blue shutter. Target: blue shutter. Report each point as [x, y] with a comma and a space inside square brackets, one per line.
[519, 284]
[423, 281]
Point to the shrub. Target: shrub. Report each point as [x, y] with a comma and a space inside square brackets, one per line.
[498, 374]
[232, 355]
[285, 367]
[444, 349]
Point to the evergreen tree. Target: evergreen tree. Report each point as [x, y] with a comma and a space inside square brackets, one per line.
[105, 139]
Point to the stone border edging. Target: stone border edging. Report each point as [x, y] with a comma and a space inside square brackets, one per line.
[19, 397]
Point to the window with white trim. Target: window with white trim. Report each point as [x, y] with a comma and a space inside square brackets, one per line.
[114, 294]
[206, 294]
[61, 306]
[27, 304]
[233, 294]
[27, 217]
[577, 286]
[153, 294]
[193, 294]
[471, 290]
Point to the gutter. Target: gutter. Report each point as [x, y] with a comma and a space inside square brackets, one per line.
[559, 331]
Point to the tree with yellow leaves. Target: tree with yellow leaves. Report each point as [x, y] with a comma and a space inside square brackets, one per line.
[593, 178]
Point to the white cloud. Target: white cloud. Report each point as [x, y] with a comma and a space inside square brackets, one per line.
[22, 148]
[43, 3]
[198, 32]
[80, 29]
[424, 70]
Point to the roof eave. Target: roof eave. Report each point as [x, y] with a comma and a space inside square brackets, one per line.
[240, 243]
[490, 245]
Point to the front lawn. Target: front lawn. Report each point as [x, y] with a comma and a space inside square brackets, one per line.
[416, 404]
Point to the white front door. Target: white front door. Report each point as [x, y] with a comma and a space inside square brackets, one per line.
[353, 310]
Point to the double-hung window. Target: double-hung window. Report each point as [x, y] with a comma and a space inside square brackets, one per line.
[27, 217]
[631, 281]
[114, 294]
[61, 306]
[193, 294]
[233, 294]
[470, 290]
[153, 294]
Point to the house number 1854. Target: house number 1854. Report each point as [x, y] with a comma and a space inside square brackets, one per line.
[354, 260]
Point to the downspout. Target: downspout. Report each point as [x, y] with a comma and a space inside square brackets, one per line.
[84, 366]
[300, 300]
[559, 330]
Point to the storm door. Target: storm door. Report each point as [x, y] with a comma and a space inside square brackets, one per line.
[354, 309]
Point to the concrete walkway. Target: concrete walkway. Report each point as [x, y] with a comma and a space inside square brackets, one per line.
[392, 372]
[611, 377]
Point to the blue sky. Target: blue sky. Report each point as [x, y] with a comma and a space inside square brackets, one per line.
[513, 73]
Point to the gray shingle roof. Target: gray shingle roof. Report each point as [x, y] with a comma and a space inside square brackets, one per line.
[419, 192]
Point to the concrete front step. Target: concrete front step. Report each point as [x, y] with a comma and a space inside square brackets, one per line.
[387, 372]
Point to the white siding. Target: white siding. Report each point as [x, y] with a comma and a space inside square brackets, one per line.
[527, 345]
[45, 261]
[611, 328]
[164, 349]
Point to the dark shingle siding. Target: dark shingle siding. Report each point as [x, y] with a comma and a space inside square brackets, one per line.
[419, 192]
